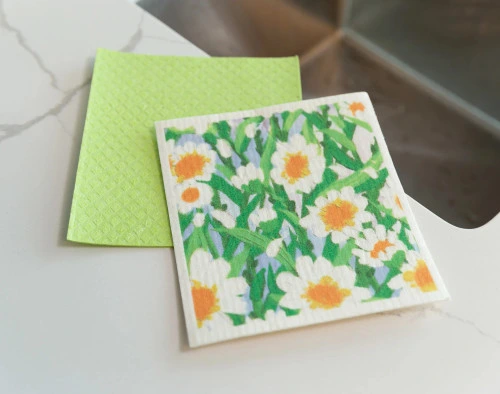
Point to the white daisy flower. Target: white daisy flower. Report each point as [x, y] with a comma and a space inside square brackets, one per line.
[298, 166]
[415, 278]
[246, 174]
[352, 109]
[191, 195]
[214, 294]
[339, 214]
[226, 219]
[378, 245]
[264, 214]
[319, 286]
[224, 148]
[199, 219]
[192, 162]
[390, 199]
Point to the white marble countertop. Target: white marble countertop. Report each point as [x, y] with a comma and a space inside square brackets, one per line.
[83, 319]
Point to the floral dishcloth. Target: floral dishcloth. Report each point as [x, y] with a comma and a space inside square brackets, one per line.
[287, 216]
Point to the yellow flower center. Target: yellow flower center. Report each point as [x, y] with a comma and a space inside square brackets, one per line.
[205, 301]
[296, 167]
[189, 166]
[338, 214]
[190, 194]
[398, 202]
[356, 106]
[380, 246]
[326, 294]
[420, 277]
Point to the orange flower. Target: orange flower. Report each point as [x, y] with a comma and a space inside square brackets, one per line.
[319, 286]
[191, 162]
[213, 294]
[297, 165]
[338, 214]
[415, 277]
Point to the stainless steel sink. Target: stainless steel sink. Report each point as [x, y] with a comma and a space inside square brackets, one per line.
[447, 156]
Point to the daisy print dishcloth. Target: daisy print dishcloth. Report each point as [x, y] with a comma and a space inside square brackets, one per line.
[287, 216]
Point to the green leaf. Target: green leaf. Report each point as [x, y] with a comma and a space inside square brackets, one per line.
[256, 292]
[384, 215]
[272, 301]
[261, 242]
[337, 120]
[349, 129]
[304, 244]
[241, 221]
[247, 209]
[209, 243]
[308, 133]
[330, 250]
[271, 227]
[255, 186]
[384, 219]
[223, 129]
[383, 292]
[358, 177]
[265, 160]
[241, 137]
[342, 158]
[290, 312]
[397, 261]
[258, 285]
[365, 276]
[329, 177]
[238, 262]
[244, 147]
[372, 184]
[359, 122]
[259, 142]
[340, 138]
[210, 139]
[219, 183]
[403, 237]
[195, 241]
[316, 119]
[173, 133]
[280, 134]
[226, 171]
[238, 320]
[329, 146]
[216, 202]
[293, 245]
[185, 220]
[344, 254]
[290, 119]
[271, 282]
